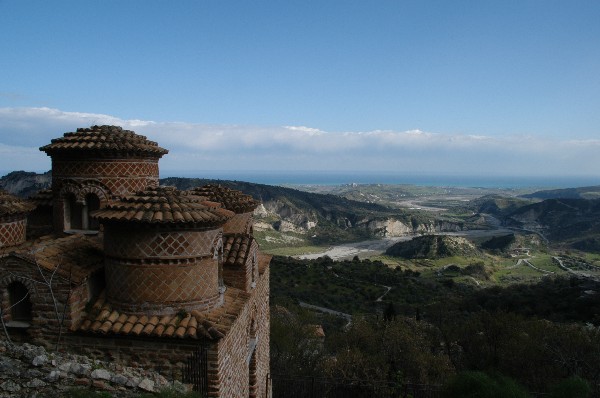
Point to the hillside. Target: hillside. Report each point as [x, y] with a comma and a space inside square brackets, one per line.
[433, 247]
[496, 205]
[293, 217]
[575, 222]
[290, 217]
[592, 192]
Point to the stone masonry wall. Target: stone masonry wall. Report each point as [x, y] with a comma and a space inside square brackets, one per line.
[165, 356]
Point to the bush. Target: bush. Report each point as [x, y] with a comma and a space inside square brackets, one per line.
[86, 393]
[482, 385]
[573, 387]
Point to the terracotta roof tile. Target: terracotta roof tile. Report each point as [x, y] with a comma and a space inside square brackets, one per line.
[12, 205]
[164, 205]
[103, 140]
[213, 324]
[74, 256]
[236, 249]
[233, 200]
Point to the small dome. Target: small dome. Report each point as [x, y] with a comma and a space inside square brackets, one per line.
[233, 200]
[103, 140]
[164, 205]
[11, 205]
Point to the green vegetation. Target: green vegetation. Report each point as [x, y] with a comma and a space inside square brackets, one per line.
[481, 385]
[573, 387]
[440, 317]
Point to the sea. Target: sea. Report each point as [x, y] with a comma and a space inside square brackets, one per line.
[287, 178]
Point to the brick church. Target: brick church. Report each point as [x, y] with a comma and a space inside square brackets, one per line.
[110, 264]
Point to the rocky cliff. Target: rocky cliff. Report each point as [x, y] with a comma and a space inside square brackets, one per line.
[24, 183]
[432, 247]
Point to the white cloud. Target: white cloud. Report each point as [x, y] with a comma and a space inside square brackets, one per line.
[237, 147]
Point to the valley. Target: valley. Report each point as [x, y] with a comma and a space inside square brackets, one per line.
[449, 279]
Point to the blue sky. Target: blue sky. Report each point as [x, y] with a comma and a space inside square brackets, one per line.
[465, 87]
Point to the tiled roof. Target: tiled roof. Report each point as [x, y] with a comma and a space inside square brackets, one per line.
[73, 256]
[42, 198]
[11, 205]
[236, 249]
[164, 205]
[233, 200]
[211, 325]
[103, 139]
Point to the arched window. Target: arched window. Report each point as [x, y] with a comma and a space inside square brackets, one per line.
[92, 203]
[19, 302]
[73, 212]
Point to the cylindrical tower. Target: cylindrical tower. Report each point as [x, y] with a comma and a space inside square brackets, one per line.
[93, 164]
[13, 219]
[163, 251]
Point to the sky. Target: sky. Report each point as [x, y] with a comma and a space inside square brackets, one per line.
[498, 88]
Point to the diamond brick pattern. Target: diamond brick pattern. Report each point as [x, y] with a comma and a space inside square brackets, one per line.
[122, 186]
[155, 287]
[99, 168]
[12, 233]
[140, 244]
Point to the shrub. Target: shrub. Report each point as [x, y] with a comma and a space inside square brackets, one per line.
[482, 385]
[573, 387]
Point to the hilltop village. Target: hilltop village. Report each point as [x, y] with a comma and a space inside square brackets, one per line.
[109, 264]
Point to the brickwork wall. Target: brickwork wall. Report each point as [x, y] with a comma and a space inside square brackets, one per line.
[238, 224]
[234, 350]
[161, 289]
[121, 176]
[44, 325]
[161, 271]
[245, 276]
[12, 230]
[115, 176]
[139, 243]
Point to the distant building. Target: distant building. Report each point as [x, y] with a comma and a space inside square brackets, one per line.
[137, 273]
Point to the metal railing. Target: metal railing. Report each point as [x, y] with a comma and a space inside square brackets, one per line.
[195, 371]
